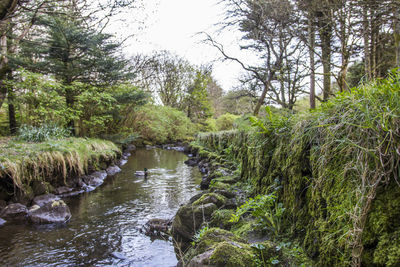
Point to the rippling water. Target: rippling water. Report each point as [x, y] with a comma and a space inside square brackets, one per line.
[104, 229]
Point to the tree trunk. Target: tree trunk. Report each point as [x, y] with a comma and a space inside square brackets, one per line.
[366, 35]
[397, 34]
[3, 67]
[11, 109]
[261, 99]
[70, 100]
[311, 40]
[325, 32]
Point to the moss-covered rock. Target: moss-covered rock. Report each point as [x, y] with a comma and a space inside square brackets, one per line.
[222, 219]
[217, 199]
[232, 254]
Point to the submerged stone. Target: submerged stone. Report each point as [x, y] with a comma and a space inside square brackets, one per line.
[112, 170]
[54, 212]
[95, 179]
[14, 212]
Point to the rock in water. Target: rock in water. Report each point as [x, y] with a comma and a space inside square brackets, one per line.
[2, 222]
[113, 170]
[44, 199]
[95, 179]
[14, 212]
[54, 212]
[118, 255]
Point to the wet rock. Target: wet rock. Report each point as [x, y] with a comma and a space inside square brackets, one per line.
[150, 147]
[14, 212]
[118, 255]
[218, 200]
[188, 220]
[202, 260]
[191, 162]
[3, 204]
[54, 212]
[112, 170]
[205, 183]
[2, 222]
[44, 199]
[196, 197]
[95, 179]
[63, 190]
[122, 162]
[130, 148]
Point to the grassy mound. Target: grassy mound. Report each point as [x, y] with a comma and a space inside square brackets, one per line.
[21, 162]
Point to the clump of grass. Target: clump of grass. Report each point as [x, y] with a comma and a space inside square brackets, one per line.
[54, 159]
[42, 133]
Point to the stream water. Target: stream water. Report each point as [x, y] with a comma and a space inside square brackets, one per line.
[104, 229]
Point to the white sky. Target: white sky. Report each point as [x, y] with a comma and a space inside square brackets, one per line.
[174, 25]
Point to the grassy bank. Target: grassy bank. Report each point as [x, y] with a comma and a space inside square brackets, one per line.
[335, 171]
[22, 164]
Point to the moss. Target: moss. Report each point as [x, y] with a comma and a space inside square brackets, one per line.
[232, 254]
[388, 250]
[221, 218]
[217, 199]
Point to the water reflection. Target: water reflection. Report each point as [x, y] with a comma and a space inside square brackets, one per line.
[104, 229]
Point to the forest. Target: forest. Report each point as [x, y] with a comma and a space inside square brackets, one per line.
[310, 132]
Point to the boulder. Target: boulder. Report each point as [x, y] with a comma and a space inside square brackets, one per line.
[122, 162]
[44, 199]
[201, 260]
[54, 212]
[191, 162]
[14, 212]
[95, 179]
[130, 148]
[112, 170]
[188, 220]
[63, 190]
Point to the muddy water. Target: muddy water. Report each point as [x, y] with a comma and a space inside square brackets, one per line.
[104, 229]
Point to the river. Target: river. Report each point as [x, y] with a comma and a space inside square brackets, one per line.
[105, 226]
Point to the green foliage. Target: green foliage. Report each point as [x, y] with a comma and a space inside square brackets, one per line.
[226, 122]
[93, 120]
[197, 103]
[199, 235]
[42, 133]
[159, 124]
[334, 164]
[274, 122]
[38, 99]
[265, 209]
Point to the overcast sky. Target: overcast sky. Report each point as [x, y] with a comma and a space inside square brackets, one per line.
[174, 25]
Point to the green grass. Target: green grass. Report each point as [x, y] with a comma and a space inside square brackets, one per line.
[23, 161]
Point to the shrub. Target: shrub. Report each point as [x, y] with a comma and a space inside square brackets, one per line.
[226, 122]
[41, 133]
[159, 124]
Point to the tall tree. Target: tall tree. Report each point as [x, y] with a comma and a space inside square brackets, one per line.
[72, 52]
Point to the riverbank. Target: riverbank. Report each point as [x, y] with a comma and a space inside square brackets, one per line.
[321, 188]
[50, 170]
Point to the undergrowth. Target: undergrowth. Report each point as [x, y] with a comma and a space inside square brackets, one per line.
[331, 163]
